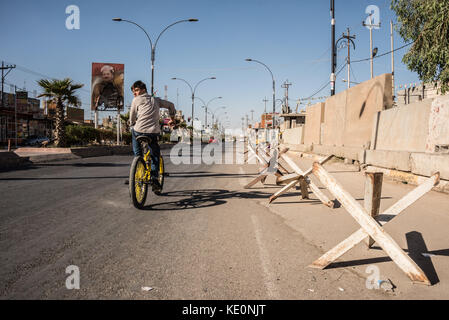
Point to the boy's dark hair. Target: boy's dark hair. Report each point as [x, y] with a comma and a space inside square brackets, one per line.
[139, 84]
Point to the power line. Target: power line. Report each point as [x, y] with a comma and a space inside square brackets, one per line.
[41, 75]
[384, 54]
[324, 86]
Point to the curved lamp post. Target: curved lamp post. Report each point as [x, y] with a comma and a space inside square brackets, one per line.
[213, 113]
[218, 117]
[274, 86]
[205, 105]
[153, 47]
[193, 90]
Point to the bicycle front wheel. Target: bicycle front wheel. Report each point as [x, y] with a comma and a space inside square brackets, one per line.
[138, 188]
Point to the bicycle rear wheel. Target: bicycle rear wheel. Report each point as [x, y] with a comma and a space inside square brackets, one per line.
[138, 188]
[161, 176]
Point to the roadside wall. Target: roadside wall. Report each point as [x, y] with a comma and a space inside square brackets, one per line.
[294, 135]
[403, 128]
[312, 127]
[348, 116]
[438, 134]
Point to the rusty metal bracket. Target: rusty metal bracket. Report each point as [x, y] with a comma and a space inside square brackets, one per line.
[372, 226]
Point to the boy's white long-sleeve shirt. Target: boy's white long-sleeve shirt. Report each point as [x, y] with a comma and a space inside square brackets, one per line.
[144, 113]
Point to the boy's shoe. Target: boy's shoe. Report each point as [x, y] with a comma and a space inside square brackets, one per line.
[156, 187]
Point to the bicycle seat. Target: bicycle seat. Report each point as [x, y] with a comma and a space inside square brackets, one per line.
[143, 139]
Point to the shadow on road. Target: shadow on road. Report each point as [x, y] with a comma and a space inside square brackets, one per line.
[417, 250]
[196, 199]
[86, 165]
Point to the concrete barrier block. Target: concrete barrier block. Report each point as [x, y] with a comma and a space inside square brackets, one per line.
[399, 160]
[297, 147]
[426, 164]
[343, 152]
[294, 135]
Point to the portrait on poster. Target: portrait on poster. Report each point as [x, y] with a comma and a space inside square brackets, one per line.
[107, 86]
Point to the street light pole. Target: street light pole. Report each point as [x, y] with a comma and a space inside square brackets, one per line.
[274, 86]
[153, 47]
[207, 104]
[193, 90]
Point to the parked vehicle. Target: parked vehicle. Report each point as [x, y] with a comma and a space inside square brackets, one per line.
[36, 140]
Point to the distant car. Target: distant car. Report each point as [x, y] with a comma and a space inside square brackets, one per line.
[36, 140]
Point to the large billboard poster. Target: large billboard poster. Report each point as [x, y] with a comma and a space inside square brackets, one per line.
[107, 86]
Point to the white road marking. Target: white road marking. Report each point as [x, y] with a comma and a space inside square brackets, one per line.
[269, 278]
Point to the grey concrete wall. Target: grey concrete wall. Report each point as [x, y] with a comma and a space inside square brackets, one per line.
[312, 127]
[294, 135]
[348, 116]
[438, 128]
[404, 128]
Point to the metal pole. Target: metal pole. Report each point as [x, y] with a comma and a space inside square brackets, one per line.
[274, 107]
[153, 49]
[333, 60]
[3, 79]
[392, 59]
[193, 106]
[371, 43]
[15, 110]
[349, 61]
[118, 126]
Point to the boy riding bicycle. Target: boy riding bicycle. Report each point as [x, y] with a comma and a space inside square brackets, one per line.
[144, 120]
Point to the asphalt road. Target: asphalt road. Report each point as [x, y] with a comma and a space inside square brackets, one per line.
[204, 238]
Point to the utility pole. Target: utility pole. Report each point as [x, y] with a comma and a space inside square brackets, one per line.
[9, 68]
[392, 59]
[252, 118]
[371, 26]
[334, 58]
[165, 89]
[285, 86]
[349, 38]
[246, 120]
[15, 111]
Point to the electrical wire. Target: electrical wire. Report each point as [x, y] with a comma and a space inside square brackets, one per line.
[323, 87]
[384, 54]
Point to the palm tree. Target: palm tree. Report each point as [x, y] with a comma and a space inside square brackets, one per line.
[61, 92]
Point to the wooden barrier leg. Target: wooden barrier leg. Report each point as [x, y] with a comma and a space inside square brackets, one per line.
[304, 189]
[373, 192]
[358, 236]
[371, 227]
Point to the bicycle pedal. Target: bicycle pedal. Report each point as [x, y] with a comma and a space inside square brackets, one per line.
[166, 174]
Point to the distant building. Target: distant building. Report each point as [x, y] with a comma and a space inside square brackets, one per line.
[31, 119]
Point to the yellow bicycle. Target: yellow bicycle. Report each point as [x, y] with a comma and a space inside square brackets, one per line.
[140, 175]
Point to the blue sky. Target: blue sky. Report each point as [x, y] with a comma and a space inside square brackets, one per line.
[291, 37]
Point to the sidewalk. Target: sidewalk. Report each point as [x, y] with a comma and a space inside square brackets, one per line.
[421, 228]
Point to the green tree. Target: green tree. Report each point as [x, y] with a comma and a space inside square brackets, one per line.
[426, 23]
[124, 121]
[62, 92]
